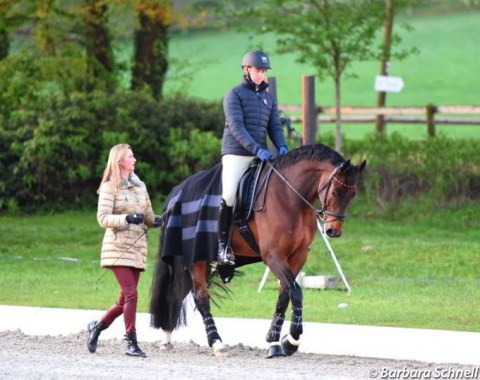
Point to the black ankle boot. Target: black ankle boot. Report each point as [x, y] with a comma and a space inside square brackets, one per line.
[94, 329]
[225, 254]
[132, 346]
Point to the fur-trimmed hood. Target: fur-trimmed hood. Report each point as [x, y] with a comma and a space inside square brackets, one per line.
[133, 179]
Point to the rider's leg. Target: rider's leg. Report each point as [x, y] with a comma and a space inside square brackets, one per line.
[225, 257]
[233, 169]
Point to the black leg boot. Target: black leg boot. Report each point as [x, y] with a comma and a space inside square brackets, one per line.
[132, 346]
[94, 329]
[225, 255]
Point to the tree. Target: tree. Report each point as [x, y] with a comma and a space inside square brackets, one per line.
[151, 45]
[330, 34]
[4, 38]
[97, 38]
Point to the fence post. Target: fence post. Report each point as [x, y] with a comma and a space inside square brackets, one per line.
[272, 89]
[431, 110]
[309, 110]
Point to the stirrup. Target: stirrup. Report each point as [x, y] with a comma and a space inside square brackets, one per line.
[226, 257]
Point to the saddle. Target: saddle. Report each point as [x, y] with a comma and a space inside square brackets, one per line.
[246, 196]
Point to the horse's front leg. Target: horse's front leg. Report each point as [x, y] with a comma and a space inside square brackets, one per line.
[273, 335]
[202, 302]
[291, 341]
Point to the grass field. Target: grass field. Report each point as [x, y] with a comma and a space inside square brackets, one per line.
[419, 271]
[445, 72]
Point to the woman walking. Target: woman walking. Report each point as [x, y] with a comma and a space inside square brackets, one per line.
[125, 211]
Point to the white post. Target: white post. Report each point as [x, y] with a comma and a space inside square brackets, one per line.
[264, 279]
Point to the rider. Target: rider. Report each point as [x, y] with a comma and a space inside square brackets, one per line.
[250, 114]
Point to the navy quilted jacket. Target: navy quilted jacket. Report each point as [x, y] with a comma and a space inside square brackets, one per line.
[249, 116]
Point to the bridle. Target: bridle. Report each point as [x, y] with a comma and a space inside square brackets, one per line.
[322, 212]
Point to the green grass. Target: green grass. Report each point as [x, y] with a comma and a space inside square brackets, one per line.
[445, 72]
[418, 271]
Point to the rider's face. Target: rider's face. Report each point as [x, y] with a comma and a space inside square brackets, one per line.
[257, 75]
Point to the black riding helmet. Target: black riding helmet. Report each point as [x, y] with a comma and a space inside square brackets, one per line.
[256, 58]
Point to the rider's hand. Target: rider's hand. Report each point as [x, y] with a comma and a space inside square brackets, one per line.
[283, 150]
[135, 218]
[264, 155]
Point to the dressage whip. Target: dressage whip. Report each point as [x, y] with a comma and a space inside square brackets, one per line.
[332, 254]
[130, 246]
[118, 258]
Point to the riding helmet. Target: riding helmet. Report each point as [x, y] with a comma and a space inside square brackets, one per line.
[256, 58]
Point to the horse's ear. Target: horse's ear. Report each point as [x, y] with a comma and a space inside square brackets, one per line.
[345, 166]
[362, 166]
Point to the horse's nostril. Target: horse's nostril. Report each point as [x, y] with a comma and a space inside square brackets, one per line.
[333, 233]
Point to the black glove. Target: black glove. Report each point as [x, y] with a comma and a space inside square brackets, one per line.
[158, 221]
[135, 218]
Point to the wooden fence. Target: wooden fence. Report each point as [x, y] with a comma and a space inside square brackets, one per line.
[430, 115]
[310, 114]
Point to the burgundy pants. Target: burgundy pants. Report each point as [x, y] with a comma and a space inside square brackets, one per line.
[128, 278]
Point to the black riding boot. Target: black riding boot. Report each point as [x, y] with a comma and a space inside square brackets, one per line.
[94, 329]
[132, 346]
[225, 255]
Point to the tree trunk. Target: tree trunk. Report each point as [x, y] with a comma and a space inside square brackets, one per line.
[151, 47]
[338, 114]
[97, 38]
[4, 44]
[387, 41]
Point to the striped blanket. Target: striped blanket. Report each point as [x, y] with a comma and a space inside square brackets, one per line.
[191, 226]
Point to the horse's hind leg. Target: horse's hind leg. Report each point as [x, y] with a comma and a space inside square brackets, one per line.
[202, 302]
[166, 342]
[273, 335]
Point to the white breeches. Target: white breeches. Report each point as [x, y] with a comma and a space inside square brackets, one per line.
[233, 169]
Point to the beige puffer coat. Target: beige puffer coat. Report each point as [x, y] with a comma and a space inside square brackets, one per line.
[120, 246]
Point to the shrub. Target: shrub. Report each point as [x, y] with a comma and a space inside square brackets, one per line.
[55, 148]
[442, 169]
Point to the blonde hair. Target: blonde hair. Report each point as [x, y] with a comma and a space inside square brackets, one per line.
[112, 170]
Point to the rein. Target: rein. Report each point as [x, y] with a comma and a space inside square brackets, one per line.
[322, 211]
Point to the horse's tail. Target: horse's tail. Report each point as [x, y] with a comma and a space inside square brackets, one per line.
[170, 285]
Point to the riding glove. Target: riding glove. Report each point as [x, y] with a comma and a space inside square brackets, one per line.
[283, 150]
[264, 155]
[135, 218]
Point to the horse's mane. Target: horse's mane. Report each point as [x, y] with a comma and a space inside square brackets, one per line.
[318, 152]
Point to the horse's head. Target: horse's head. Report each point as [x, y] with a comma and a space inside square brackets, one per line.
[336, 193]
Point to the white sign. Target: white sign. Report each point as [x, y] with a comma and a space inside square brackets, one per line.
[385, 83]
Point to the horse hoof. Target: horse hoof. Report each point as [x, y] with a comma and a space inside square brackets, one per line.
[219, 349]
[274, 351]
[289, 345]
[166, 346]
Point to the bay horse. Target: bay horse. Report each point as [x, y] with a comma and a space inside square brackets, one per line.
[283, 224]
